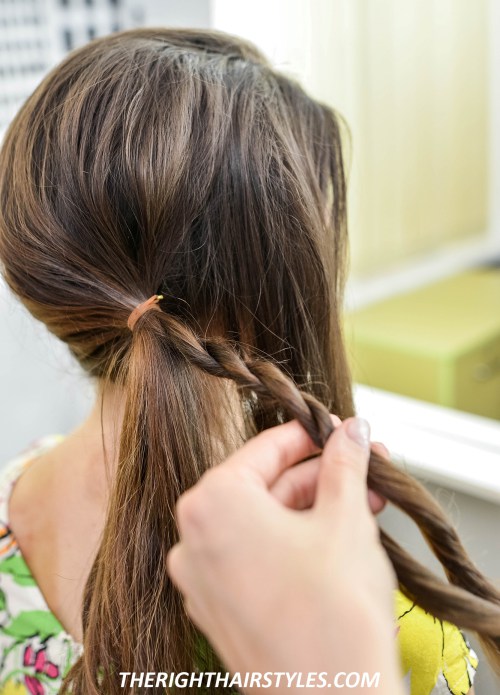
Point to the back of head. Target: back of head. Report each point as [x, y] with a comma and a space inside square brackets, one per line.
[176, 162]
[180, 162]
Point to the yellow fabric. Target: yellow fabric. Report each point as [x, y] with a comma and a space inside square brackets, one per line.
[430, 647]
[14, 688]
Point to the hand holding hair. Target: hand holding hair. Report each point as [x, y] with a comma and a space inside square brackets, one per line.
[276, 589]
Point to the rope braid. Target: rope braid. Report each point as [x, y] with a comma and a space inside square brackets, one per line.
[469, 601]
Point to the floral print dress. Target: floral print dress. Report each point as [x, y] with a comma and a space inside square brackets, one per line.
[36, 652]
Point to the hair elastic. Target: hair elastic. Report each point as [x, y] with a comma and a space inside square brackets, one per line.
[141, 308]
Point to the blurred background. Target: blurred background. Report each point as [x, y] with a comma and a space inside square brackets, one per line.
[418, 82]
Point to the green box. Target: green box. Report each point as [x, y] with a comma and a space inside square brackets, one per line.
[439, 344]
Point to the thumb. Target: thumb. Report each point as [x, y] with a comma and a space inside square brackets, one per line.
[344, 466]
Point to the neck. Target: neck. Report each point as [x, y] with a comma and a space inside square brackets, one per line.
[96, 441]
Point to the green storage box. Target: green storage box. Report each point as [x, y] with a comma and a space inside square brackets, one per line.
[439, 344]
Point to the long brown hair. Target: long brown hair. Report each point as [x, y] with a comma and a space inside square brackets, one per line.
[179, 162]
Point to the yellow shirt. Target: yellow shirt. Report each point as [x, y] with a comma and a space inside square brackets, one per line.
[435, 656]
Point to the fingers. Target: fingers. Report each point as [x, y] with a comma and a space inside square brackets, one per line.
[381, 449]
[273, 451]
[176, 566]
[344, 466]
[377, 502]
[296, 488]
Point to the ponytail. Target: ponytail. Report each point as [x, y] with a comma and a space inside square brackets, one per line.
[133, 617]
[166, 444]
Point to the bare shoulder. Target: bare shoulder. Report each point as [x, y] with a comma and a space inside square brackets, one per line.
[57, 522]
[30, 499]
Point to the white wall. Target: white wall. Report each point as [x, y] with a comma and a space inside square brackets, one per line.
[42, 390]
[419, 111]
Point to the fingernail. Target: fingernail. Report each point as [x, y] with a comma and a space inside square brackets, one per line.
[358, 429]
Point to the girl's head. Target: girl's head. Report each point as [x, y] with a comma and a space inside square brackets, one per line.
[179, 162]
[176, 162]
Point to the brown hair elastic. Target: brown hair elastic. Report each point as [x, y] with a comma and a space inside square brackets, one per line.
[141, 308]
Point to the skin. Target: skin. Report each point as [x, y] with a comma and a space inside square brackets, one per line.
[57, 507]
[329, 606]
[57, 510]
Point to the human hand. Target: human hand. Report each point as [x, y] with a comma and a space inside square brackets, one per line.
[296, 486]
[276, 589]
